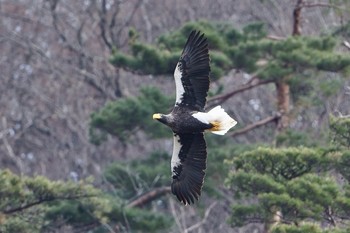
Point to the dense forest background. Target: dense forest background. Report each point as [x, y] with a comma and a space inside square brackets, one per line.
[80, 80]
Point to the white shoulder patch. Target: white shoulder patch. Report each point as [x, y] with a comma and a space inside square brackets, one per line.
[175, 160]
[202, 117]
[179, 88]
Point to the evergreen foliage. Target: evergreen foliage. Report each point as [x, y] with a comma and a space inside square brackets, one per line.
[122, 118]
[340, 130]
[40, 205]
[299, 183]
[24, 200]
[138, 176]
[233, 49]
[306, 228]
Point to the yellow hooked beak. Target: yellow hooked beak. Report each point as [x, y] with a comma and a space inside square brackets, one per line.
[157, 116]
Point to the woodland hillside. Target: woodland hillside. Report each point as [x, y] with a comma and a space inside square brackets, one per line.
[80, 80]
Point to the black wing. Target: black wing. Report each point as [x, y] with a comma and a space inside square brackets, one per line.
[192, 73]
[188, 165]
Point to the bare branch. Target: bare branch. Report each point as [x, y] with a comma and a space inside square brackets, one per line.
[206, 214]
[175, 215]
[103, 24]
[90, 79]
[149, 196]
[24, 19]
[112, 24]
[10, 149]
[321, 4]
[273, 37]
[329, 216]
[147, 22]
[256, 125]
[128, 20]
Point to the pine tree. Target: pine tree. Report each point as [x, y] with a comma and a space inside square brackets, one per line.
[308, 188]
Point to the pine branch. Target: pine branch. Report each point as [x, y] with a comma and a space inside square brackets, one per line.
[256, 125]
[219, 99]
[149, 196]
[41, 201]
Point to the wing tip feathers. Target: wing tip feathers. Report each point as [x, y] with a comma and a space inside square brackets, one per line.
[185, 195]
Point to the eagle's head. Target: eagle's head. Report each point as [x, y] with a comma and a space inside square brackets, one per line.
[160, 117]
[166, 119]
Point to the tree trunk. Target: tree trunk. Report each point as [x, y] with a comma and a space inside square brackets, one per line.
[282, 86]
[297, 18]
[283, 99]
[282, 89]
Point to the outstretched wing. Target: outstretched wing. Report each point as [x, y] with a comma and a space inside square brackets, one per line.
[192, 73]
[188, 165]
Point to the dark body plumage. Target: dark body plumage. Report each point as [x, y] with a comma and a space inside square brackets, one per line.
[188, 162]
[180, 120]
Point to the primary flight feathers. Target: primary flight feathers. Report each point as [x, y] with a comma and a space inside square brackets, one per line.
[188, 120]
[192, 73]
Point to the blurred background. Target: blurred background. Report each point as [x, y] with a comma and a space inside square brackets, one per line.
[80, 80]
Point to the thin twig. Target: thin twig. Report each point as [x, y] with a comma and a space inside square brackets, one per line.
[175, 215]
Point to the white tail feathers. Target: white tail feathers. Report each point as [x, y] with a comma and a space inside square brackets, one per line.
[220, 120]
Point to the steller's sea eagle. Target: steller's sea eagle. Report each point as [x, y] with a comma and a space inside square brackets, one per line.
[188, 120]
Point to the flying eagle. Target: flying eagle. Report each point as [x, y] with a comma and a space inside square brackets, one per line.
[188, 120]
